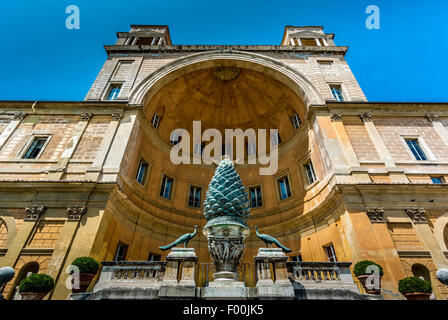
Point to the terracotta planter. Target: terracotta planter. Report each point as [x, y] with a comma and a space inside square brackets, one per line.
[417, 296]
[84, 281]
[32, 295]
[363, 280]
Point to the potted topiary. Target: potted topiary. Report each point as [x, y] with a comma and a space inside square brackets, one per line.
[36, 286]
[88, 267]
[363, 275]
[414, 288]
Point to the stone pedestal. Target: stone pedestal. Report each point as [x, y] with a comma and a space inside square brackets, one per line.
[178, 281]
[280, 287]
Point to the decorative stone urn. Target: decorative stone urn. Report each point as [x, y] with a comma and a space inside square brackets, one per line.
[226, 209]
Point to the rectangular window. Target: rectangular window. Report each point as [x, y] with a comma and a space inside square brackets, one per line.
[297, 258]
[284, 189]
[438, 180]
[336, 91]
[416, 149]
[255, 197]
[114, 91]
[154, 257]
[35, 149]
[331, 254]
[167, 185]
[141, 172]
[296, 121]
[310, 174]
[155, 120]
[194, 199]
[120, 254]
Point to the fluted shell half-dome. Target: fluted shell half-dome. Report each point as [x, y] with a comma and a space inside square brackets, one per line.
[226, 199]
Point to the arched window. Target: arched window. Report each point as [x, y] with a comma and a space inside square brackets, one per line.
[445, 235]
[3, 233]
[32, 267]
[420, 271]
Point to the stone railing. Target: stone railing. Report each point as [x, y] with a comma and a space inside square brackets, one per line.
[130, 274]
[321, 275]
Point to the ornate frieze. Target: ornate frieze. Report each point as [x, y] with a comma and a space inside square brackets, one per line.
[34, 212]
[417, 215]
[376, 215]
[86, 116]
[366, 117]
[76, 212]
[117, 116]
[335, 117]
[432, 116]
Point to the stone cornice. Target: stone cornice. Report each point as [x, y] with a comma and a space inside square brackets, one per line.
[8, 107]
[115, 49]
[378, 109]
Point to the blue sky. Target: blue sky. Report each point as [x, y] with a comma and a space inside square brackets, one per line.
[406, 60]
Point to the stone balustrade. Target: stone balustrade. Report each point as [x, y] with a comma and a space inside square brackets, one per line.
[321, 276]
[130, 274]
[175, 278]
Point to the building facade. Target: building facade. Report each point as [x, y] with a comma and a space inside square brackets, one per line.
[356, 180]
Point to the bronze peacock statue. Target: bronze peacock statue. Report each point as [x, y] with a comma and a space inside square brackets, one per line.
[182, 239]
[269, 240]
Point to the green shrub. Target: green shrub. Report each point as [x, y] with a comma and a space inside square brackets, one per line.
[37, 282]
[414, 284]
[361, 266]
[86, 265]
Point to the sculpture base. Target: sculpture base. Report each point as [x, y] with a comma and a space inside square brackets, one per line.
[267, 288]
[171, 288]
[225, 276]
[226, 291]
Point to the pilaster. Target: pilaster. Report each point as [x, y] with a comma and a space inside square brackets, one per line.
[17, 118]
[94, 172]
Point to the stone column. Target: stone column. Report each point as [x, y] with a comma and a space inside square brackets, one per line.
[181, 262]
[267, 289]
